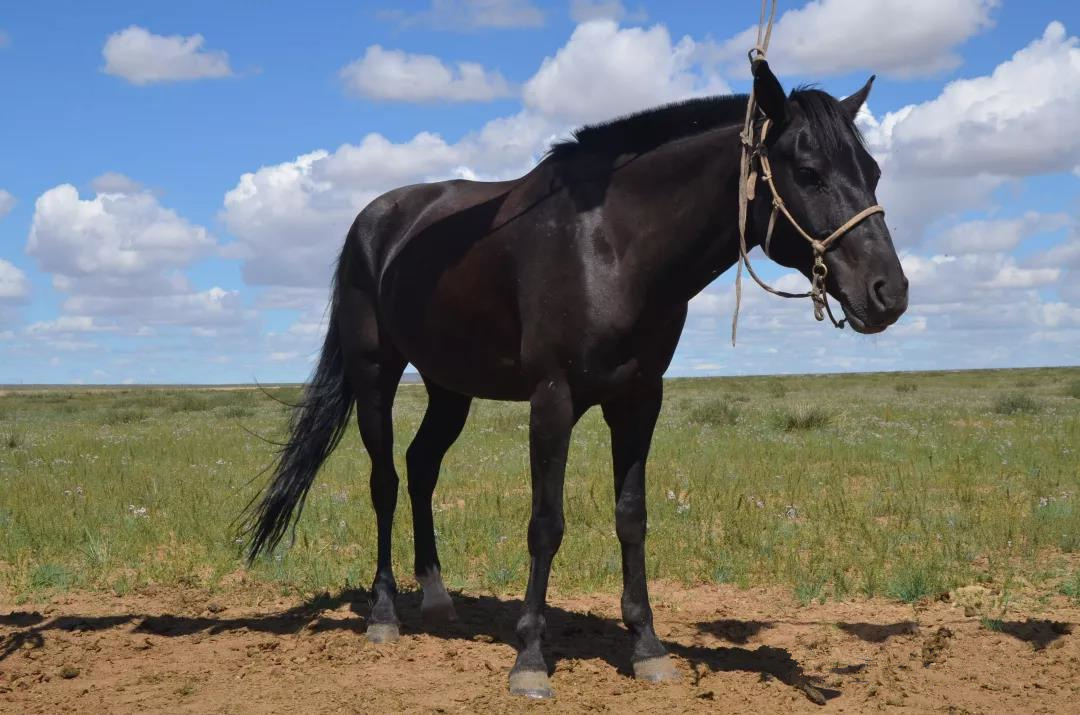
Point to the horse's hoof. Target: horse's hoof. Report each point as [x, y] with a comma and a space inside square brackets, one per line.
[383, 632]
[531, 684]
[656, 670]
[438, 613]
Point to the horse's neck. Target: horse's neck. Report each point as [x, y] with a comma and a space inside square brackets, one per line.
[690, 187]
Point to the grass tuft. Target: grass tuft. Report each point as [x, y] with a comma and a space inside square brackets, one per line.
[804, 417]
[1016, 403]
[51, 577]
[1071, 587]
[905, 386]
[718, 413]
[913, 582]
[1073, 389]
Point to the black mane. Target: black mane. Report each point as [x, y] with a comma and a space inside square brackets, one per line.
[650, 128]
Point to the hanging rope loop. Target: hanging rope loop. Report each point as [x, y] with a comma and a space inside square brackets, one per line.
[754, 148]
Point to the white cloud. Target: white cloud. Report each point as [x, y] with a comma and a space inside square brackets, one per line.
[1017, 121]
[586, 10]
[206, 311]
[997, 235]
[66, 324]
[7, 203]
[111, 239]
[604, 71]
[950, 155]
[14, 287]
[399, 76]
[141, 57]
[472, 14]
[118, 257]
[112, 182]
[903, 38]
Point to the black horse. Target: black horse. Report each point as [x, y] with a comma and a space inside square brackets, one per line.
[568, 288]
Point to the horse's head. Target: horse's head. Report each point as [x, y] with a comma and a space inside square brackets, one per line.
[825, 176]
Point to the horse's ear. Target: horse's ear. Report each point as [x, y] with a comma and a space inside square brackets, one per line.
[768, 93]
[853, 103]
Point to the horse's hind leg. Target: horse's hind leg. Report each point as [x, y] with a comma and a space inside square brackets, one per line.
[375, 381]
[445, 416]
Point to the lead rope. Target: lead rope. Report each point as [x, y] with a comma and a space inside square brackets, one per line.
[747, 187]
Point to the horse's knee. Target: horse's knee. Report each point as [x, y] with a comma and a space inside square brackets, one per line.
[546, 533]
[630, 521]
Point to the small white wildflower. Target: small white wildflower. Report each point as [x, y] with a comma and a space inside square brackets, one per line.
[670, 495]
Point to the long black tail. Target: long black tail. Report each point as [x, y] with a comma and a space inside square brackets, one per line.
[315, 428]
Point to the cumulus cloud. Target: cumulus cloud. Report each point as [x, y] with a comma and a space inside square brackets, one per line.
[605, 70]
[110, 239]
[949, 155]
[399, 76]
[14, 291]
[118, 257]
[141, 57]
[112, 182]
[1017, 121]
[14, 287]
[471, 15]
[7, 203]
[903, 38]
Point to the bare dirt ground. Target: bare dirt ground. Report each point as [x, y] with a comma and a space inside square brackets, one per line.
[738, 651]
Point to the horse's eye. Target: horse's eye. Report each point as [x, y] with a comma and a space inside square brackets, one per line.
[808, 176]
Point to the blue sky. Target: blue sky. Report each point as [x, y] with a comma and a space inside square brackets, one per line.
[170, 205]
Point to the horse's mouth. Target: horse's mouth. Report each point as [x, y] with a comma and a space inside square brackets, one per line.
[858, 324]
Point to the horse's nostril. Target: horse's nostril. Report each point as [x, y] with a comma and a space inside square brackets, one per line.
[878, 296]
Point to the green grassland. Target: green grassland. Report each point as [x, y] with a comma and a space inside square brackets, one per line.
[898, 485]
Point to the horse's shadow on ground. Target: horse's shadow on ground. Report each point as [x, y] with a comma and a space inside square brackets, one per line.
[571, 635]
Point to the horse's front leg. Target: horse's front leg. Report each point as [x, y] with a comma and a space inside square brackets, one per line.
[632, 417]
[551, 422]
